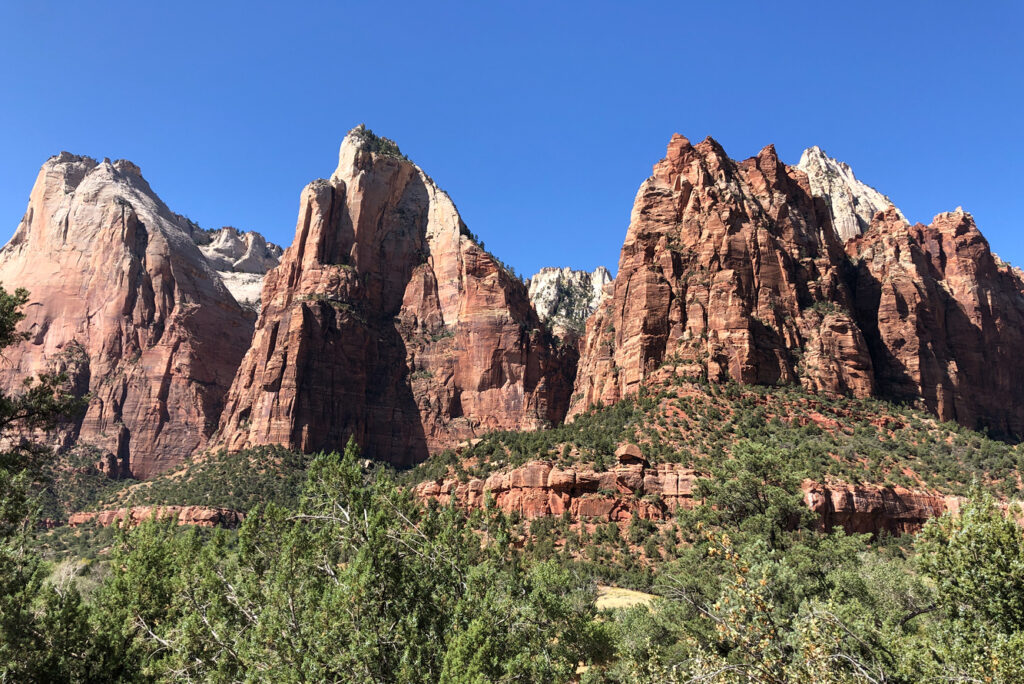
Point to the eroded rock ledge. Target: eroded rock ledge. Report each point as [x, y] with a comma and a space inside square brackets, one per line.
[540, 488]
[200, 516]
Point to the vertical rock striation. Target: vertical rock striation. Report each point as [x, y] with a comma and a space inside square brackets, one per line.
[736, 270]
[386, 321]
[733, 268]
[944, 319]
[122, 299]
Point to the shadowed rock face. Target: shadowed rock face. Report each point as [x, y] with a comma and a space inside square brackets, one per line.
[734, 269]
[386, 321]
[122, 299]
[944, 319]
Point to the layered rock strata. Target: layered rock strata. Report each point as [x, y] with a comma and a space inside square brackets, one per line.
[541, 488]
[386, 321]
[124, 302]
[735, 270]
[199, 516]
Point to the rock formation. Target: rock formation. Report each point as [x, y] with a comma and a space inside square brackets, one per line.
[540, 488]
[564, 298]
[199, 516]
[944, 319]
[124, 302]
[734, 270]
[241, 260]
[386, 321]
[852, 203]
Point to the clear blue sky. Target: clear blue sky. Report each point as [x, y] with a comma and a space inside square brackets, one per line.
[540, 119]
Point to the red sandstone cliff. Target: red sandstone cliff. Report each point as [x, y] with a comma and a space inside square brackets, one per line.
[943, 317]
[735, 270]
[387, 321]
[122, 299]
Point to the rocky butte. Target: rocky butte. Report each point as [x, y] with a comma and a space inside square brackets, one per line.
[385, 320]
[124, 302]
[737, 269]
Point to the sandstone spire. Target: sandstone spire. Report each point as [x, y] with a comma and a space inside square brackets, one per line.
[385, 320]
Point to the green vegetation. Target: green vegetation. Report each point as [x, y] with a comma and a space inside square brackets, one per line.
[697, 424]
[339, 574]
[239, 481]
[359, 582]
[376, 143]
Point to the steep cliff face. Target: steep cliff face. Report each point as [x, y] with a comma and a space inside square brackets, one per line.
[733, 268]
[386, 321]
[122, 299]
[944, 319]
[564, 298]
[853, 204]
[241, 259]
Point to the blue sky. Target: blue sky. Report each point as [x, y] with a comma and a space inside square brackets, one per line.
[539, 119]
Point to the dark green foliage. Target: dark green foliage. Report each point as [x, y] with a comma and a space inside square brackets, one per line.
[358, 584]
[376, 143]
[239, 481]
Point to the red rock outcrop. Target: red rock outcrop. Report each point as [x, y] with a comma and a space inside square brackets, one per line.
[387, 321]
[540, 488]
[200, 516]
[867, 509]
[733, 269]
[944, 319]
[125, 303]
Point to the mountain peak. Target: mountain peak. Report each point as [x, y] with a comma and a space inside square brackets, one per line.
[853, 203]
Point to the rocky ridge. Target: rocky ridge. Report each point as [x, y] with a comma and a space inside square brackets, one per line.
[565, 298]
[123, 302]
[735, 269]
[241, 259]
[853, 204]
[386, 321]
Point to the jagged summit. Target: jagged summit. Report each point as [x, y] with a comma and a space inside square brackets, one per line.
[852, 202]
[731, 271]
[387, 321]
[564, 298]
